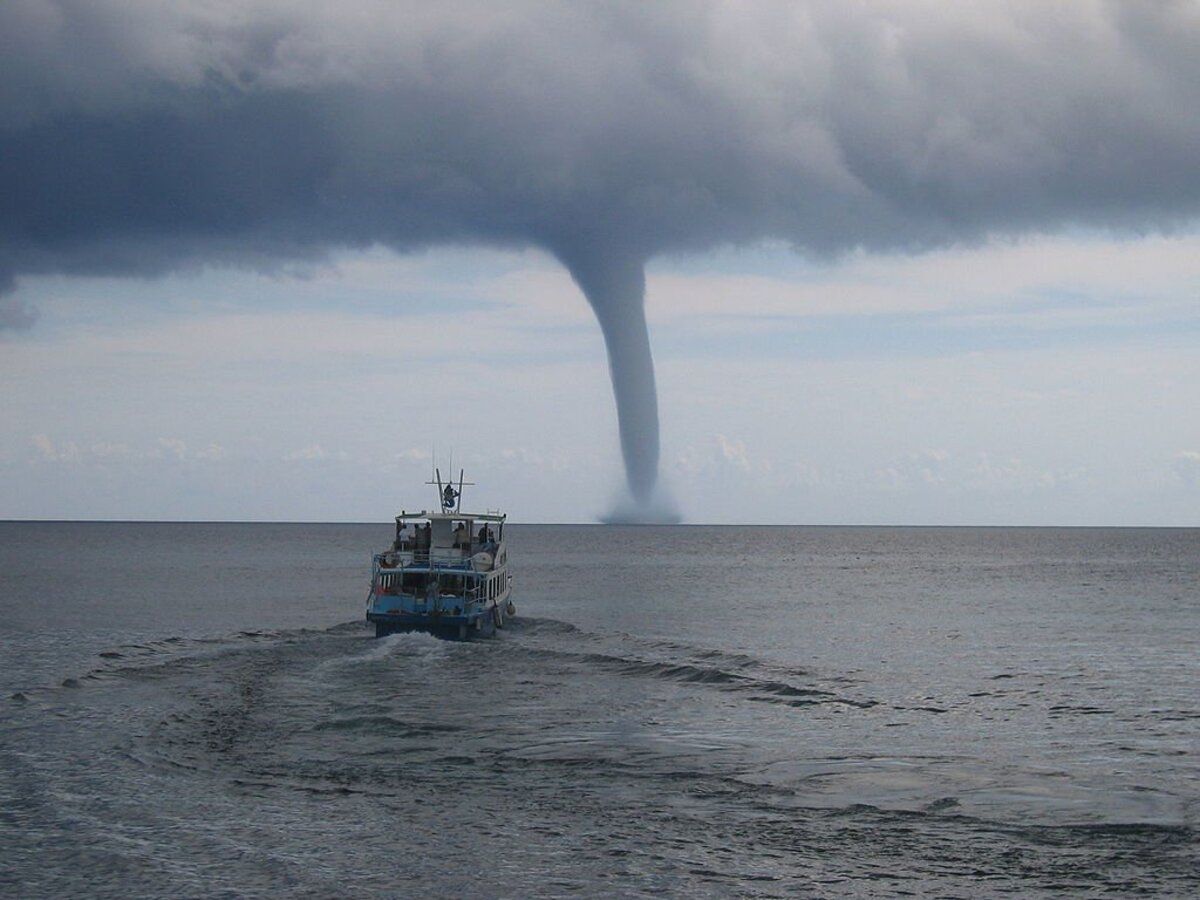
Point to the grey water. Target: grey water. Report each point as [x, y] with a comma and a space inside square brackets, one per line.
[199, 710]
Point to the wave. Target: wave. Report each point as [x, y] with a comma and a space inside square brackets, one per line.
[738, 678]
[615, 652]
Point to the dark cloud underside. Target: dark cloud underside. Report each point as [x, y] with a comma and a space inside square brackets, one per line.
[135, 141]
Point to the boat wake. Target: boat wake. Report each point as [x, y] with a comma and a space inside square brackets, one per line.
[742, 769]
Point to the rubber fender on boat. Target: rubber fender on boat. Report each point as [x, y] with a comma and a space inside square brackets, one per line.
[497, 616]
[511, 609]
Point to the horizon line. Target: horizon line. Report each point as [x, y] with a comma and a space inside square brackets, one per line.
[590, 524]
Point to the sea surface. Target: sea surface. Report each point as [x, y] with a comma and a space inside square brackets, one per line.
[199, 710]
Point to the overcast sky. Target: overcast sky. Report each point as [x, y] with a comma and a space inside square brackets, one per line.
[906, 263]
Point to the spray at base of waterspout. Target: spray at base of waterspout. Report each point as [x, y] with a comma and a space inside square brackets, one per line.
[659, 509]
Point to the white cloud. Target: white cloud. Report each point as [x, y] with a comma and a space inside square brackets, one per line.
[66, 451]
[213, 451]
[733, 452]
[45, 446]
[718, 456]
[1187, 467]
[110, 450]
[107, 452]
[174, 446]
[311, 452]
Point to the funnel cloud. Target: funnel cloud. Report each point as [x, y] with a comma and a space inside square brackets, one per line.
[137, 139]
[615, 286]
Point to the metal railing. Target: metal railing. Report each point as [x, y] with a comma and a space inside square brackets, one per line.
[438, 558]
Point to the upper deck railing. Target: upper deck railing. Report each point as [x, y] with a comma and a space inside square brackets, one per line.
[407, 516]
[457, 558]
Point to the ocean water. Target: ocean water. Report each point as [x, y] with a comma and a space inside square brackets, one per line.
[200, 711]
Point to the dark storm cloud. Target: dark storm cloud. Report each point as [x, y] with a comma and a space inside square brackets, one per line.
[139, 137]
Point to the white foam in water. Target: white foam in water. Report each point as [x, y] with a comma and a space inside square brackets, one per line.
[409, 644]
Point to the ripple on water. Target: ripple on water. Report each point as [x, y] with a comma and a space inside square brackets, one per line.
[660, 754]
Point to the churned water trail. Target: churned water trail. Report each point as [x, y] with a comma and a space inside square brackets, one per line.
[889, 712]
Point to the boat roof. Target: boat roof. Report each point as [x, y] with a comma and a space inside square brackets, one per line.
[425, 514]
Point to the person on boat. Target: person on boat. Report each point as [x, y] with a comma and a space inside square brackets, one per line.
[449, 495]
[403, 536]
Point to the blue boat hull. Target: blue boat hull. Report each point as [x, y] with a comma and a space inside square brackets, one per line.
[450, 627]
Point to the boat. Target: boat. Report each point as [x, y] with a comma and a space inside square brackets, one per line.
[446, 572]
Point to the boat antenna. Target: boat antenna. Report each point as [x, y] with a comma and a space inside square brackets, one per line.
[449, 498]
